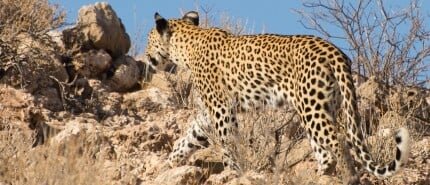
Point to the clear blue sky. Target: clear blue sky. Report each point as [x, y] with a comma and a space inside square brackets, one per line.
[276, 16]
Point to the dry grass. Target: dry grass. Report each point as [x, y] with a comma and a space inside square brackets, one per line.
[180, 85]
[404, 109]
[393, 45]
[264, 136]
[264, 140]
[11, 150]
[83, 158]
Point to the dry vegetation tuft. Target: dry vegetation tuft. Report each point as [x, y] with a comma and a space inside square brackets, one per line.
[36, 17]
[24, 42]
[390, 43]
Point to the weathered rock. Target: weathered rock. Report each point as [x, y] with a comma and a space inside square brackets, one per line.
[72, 129]
[160, 81]
[15, 105]
[57, 37]
[300, 152]
[222, 178]
[50, 99]
[92, 64]
[98, 27]
[151, 99]
[209, 159]
[126, 74]
[231, 177]
[108, 103]
[180, 175]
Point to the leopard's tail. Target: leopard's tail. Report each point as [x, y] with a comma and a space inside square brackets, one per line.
[342, 71]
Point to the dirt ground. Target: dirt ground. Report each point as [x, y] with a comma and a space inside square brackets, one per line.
[130, 146]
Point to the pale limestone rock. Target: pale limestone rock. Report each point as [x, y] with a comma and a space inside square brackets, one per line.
[180, 175]
[104, 29]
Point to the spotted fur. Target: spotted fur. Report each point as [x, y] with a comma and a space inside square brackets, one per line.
[268, 69]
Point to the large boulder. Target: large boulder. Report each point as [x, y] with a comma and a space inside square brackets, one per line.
[98, 27]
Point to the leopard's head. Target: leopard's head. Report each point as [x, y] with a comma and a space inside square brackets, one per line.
[161, 53]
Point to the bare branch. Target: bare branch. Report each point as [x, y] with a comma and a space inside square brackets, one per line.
[392, 45]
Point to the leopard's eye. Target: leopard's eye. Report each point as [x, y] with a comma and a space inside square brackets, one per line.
[153, 61]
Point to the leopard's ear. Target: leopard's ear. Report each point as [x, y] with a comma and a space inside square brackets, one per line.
[161, 24]
[192, 17]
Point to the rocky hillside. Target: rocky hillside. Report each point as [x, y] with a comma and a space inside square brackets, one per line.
[76, 109]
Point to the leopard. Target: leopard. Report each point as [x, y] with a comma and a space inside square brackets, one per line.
[255, 70]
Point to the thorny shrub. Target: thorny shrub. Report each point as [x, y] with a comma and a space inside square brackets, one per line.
[22, 24]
